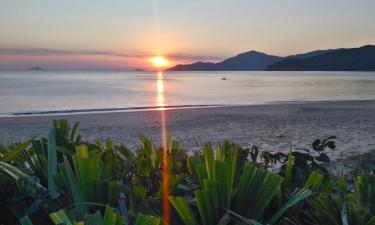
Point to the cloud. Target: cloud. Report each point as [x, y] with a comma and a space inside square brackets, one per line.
[58, 52]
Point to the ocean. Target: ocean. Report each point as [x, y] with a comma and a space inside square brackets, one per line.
[72, 92]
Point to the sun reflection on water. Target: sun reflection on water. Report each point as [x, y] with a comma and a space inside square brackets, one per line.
[160, 99]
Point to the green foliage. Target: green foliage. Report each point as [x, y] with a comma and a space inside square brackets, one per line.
[111, 217]
[221, 199]
[365, 190]
[62, 179]
[25, 221]
[347, 208]
[52, 161]
[256, 189]
[305, 161]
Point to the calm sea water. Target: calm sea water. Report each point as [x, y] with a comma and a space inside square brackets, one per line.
[48, 92]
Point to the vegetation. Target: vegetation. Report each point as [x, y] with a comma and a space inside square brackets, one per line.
[62, 179]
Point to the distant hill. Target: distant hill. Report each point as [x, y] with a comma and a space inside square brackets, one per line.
[198, 66]
[251, 60]
[310, 54]
[36, 68]
[361, 59]
[352, 59]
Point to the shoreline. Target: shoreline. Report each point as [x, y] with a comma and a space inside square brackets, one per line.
[273, 127]
[68, 112]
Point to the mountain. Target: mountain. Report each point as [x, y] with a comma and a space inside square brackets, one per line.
[198, 66]
[361, 59]
[36, 68]
[311, 54]
[351, 59]
[251, 60]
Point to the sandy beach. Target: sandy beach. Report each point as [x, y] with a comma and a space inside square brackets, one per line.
[272, 127]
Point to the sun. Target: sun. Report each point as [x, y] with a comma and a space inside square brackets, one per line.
[159, 61]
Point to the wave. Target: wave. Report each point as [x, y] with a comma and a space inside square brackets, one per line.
[119, 109]
[150, 108]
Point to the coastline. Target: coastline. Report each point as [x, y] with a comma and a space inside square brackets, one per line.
[69, 112]
[273, 127]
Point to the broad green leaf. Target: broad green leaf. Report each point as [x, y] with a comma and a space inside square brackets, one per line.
[109, 217]
[25, 221]
[146, 220]
[242, 220]
[300, 196]
[52, 161]
[60, 217]
[183, 210]
[16, 152]
[314, 181]
[256, 189]
[74, 132]
[13, 171]
[289, 169]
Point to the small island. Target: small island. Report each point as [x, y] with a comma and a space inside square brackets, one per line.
[36, 68]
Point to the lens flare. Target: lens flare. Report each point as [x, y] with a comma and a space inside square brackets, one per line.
[165, 181]
[161, 62]
[160, 100]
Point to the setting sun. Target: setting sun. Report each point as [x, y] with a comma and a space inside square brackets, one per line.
[159, 61]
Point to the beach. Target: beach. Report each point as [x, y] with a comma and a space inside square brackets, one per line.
[272, 127]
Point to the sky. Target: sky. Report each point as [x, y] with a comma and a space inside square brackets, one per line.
[120, 34]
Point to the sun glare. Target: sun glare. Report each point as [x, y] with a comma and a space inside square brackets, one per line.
[159, 61]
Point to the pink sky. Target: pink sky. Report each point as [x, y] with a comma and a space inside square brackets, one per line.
[11, 60]
[113, 34]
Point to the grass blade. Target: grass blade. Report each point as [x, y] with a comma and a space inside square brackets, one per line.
[52, 161]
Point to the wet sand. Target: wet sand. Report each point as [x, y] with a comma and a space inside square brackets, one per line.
[273, 127]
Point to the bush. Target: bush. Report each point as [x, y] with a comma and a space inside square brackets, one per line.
[62, 179]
